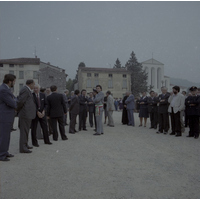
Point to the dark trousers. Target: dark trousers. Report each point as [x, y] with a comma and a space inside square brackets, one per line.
[72, 123]
[153, 119]
[5, 129]
[65, 119]
[175, 122]
[91, 115]
[82, 119]
[43, 124]
[24, 126]
[186, 119]
[194, 125]
[61, 128]
[163, 119]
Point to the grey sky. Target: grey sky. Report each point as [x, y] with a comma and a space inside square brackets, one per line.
[97, 33]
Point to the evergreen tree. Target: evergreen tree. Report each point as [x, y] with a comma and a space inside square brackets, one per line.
[138, 75]
[117, 64]
[81, 64]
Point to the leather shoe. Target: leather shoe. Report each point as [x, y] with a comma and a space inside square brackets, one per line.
[172, 133]
[5, 159]
[178, 135]
[48, 143]
[85, 129]
[65, 139]
[29, 147]
[27, 151]
[79, 129]
[10, 156]
[102, 133]
[36, 145]
[72, 132]
[189, 136]
[165, 133]
[96, 134]
[75, 131]
[196, 137]
[13, 129]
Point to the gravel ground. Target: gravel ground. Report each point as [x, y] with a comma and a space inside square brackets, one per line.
[125, 162]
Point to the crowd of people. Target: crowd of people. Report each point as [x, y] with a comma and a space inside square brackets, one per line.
[49, 108]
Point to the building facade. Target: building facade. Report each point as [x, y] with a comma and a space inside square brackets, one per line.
[118, 81]
[155, 71]
[32, 68]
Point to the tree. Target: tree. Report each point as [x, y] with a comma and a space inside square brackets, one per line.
[70, 85]
[117, 64]
[138, 75]
[81, 64]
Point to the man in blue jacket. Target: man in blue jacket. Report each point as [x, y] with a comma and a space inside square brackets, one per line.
[7, 108]
[130, 105]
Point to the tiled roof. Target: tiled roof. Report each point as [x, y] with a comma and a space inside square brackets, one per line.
[103, 69]
[21, 61]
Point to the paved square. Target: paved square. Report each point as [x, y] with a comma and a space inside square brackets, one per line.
[125, 162]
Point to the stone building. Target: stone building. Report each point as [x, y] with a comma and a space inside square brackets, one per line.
[155, 71]
[32, 68]
[118, 81]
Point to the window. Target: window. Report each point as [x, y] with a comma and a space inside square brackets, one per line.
[21, 86]
[96, 82]
[96, 75]
[1, 65]
[110, 75]
[124, 84]
[21, 66]
[35, 75]
[11, 65]
[88, 74]
[124, 75]
[21, 74]
[110, 84]
[89, 83]
[11, 72]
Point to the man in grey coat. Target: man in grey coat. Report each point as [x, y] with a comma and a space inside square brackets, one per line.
[98, 100]
[130, 105]
[110, 107]
[26, 108]
[7, 108]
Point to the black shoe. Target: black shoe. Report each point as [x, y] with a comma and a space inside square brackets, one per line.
[172, 133]
[102, 133]
[165, 133]
[27, 151]
[158, 132]
[65, 139]
[55, 139]
[85, 129]
[96, 134]
[72, 132]
[196, 137]
[10, 156]
[48, 143]
[36, 145]
[75, 131]
[79, 129]
[28, 147]
[150, 127]
[178, 135]
[189, 136]
[5, 159]
[13, 129]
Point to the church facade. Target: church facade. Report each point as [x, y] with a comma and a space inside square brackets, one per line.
[156, 77]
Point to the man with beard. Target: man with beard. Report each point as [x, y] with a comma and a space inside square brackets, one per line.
[7, 107]
[177, 104]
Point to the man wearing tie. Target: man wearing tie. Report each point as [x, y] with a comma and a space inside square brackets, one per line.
[41, 105]
[7, 107]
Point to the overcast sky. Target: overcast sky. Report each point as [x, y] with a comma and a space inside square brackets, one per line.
[97, 33]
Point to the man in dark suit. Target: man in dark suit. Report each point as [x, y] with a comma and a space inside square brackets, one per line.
[56, 108]
[67, 105]
[27, 111]
[41, 105]
[192, 108]
[152, 108]
[74, 110]
[7, 107]
[163, 111]
[82, 110]
[91, 108]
